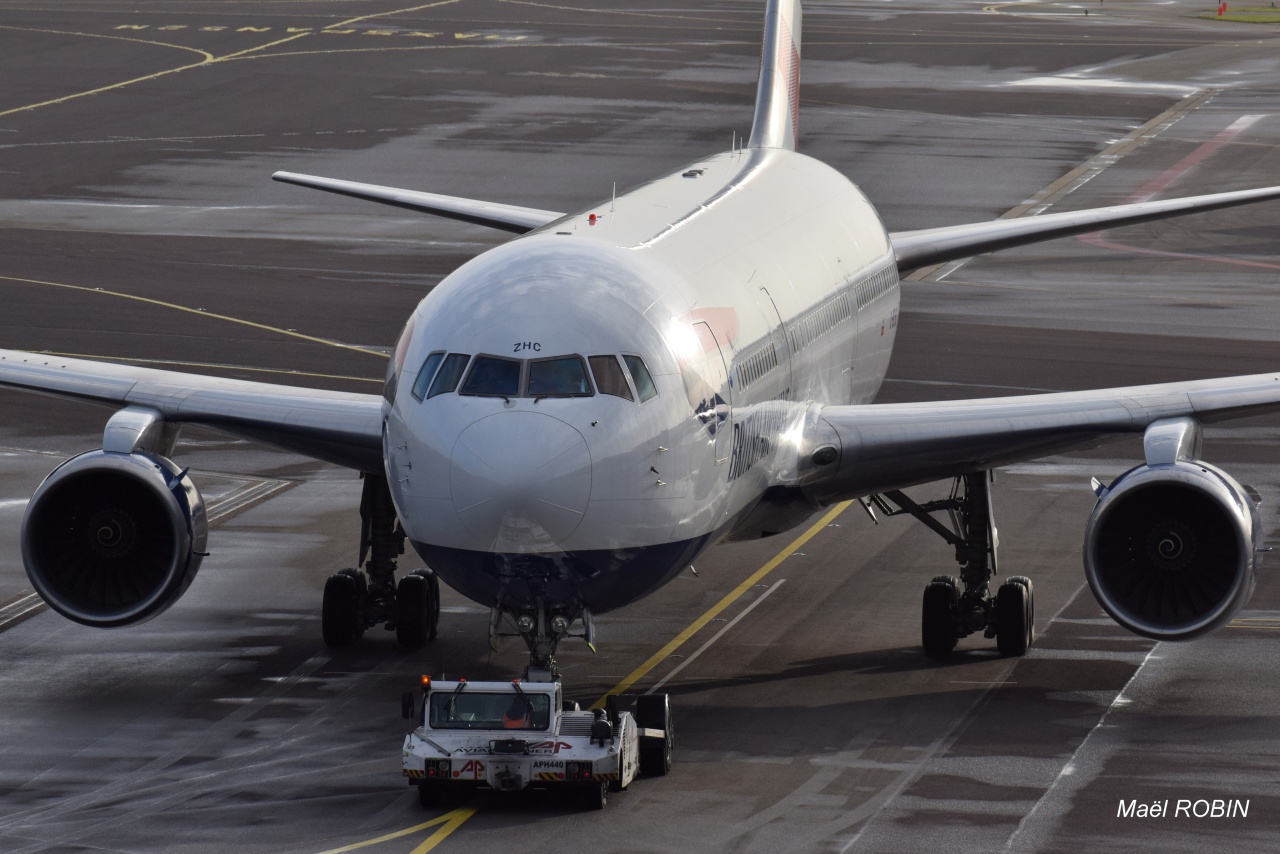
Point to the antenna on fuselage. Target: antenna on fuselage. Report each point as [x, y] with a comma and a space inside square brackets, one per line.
[614, 199]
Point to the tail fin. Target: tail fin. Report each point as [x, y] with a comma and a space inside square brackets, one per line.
[777, 120]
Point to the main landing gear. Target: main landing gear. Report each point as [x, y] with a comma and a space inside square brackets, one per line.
[356, 600]
[953, 608]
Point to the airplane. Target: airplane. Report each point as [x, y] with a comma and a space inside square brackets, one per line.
[572, 417]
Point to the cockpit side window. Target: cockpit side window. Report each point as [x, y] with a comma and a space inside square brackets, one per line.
[643, 379]
[493, 376]
[609, 377]
[450, 372]
[565, 376]
[396, 363]
[424, 376]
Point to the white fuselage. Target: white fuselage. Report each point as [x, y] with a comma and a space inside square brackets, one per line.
[752, 284]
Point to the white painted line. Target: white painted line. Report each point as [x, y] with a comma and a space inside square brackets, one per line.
[1070, 767]
[729, 625]
[16, 612]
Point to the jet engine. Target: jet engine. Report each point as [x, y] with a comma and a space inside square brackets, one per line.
[1170, 549]
[113, 539]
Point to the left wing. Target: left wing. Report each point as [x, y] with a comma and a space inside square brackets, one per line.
[881, 447]
[916, 249]
[338, 427]
[505, 217]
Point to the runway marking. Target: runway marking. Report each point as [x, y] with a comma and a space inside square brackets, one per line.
[488, 46]
[26, 606]
[747, 610]
[295, 31]
[209, 59]
[1189, 162]
[451, 821]
[216, 365]
[198, 312]
[1069, 769]
[1167, 177]
[715, 610]
[203, 53]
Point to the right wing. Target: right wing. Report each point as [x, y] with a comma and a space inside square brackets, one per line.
[916, 249]
[881, 447]
[505, 217]
[338, 427]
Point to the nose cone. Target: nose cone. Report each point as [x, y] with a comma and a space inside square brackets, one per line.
[520, 481]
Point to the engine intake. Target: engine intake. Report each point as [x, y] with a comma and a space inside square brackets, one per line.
[113, 539]
[1169, 550]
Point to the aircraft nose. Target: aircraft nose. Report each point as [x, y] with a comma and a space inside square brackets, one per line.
[520, 480]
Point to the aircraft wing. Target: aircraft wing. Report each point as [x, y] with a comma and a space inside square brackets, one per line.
[337, 427]
[916, 249]
[511, 218]
[892, 446]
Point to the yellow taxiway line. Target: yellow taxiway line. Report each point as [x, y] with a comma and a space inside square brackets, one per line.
[208, 58]
[715, 610]
[196, 311]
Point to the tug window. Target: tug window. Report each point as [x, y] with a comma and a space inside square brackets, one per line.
[447, 379]
[609, 376]
[493, 377]
[424, 376]
[643, 379]
[475, 710]
[562, 377]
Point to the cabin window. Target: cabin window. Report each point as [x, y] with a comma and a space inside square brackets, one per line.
[609, 377]
[562, 377]
[424, 376]
[447, 378]
[491, 376]
[643, 379]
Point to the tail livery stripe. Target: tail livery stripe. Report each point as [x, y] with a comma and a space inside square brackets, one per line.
[777, 118]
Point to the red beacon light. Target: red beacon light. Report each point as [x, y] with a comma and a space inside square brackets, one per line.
[591, 220]
[426, 683]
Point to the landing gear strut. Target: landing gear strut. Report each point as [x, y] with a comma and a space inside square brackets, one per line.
[953, 608]
[356, 600]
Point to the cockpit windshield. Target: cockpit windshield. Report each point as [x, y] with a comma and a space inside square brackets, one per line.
[562, 377]
[490, 375]
[558, 376]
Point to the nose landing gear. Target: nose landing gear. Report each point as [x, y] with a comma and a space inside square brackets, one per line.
[541, 627]
[356, 600]
[953, 608]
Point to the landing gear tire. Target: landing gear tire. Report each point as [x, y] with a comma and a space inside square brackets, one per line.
[341, 612]
[595, 796]
[416, 611]
[362, 596]
[1031, 605]
[939, 617]
[653, 711]
[433, 610]
[1013, 618]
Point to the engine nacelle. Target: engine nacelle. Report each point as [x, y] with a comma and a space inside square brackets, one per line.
[114, 539]
[1170, 550]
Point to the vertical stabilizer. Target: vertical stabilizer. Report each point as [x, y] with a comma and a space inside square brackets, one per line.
[777, 121]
